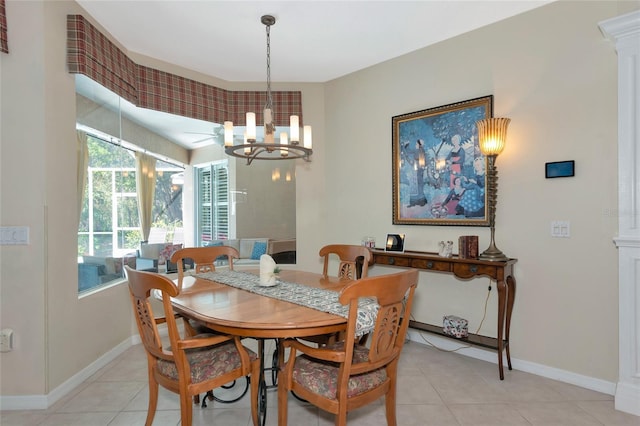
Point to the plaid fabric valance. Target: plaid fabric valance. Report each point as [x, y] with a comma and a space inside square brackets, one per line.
[91, 53]
[4, 41]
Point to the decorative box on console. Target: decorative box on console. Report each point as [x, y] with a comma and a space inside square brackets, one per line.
[455, 326]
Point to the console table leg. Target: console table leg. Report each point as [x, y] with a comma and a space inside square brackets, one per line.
[511, 296]
[502, 290]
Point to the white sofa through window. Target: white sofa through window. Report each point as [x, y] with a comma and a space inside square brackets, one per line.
[251, 249]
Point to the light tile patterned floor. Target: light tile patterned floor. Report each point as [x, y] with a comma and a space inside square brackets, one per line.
[435, 388]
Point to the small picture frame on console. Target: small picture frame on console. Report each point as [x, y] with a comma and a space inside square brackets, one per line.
[395, 243]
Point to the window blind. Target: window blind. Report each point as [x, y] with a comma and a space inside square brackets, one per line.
[212, 199]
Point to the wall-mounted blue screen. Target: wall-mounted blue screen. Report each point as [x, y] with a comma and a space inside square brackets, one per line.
[559, 169]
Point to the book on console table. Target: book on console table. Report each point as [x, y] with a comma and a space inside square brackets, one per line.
[468, 247]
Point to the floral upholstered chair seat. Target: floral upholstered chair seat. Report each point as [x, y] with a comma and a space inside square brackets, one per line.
[321, 377]
[206, 362]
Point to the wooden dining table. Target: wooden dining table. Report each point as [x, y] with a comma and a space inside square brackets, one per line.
[242, 313]
[238, 312]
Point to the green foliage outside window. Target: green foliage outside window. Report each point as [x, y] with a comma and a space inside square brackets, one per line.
[112, 183]
[102, 200]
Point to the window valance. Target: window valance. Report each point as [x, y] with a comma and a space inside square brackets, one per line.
[91, 53]
[4, 41]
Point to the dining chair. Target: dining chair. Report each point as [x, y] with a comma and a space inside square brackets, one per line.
[344, 376]
[204, 258]
[191, 365]
[350, 257]
[349, 260]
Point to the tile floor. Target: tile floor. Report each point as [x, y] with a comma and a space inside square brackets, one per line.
[435, 388]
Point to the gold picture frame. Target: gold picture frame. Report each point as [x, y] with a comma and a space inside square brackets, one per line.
[439, 173]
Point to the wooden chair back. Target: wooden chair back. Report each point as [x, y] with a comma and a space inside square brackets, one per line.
[140, 287]
[204, 258]
[394, 294]
[359, 369]
[349, 258]
[165, 363]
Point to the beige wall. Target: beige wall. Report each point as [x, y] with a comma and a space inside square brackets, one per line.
[268, 205]
[57, 335]
[551, 72]
[22, 291]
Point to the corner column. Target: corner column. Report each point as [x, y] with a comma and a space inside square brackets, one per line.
[624, 31]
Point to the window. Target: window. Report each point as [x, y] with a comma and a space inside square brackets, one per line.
[109, 222]
[212, 195]
[109, 230]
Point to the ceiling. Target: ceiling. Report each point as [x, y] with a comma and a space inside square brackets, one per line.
[312, 41]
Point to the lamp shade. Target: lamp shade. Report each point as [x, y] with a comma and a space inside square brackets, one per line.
[492, 135]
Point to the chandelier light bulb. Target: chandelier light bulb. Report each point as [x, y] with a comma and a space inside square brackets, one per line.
[284, 142]
[251, 126]
[228, 133]
[294, 124]
[307, 137]
[247, 148]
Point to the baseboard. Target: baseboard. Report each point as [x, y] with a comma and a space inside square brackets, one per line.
[444, 343]
[627, 397]
[42, 402]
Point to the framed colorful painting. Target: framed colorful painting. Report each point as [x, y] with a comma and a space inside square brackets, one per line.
[438, 171]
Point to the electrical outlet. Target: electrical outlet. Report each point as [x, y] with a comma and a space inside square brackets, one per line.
[6, 340]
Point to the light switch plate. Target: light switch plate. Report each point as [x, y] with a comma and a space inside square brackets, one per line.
[14, 235]
[6, 340]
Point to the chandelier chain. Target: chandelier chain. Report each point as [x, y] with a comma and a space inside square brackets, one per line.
[269, 103]
[269, 149]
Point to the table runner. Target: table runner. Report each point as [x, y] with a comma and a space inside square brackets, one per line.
[311, 297]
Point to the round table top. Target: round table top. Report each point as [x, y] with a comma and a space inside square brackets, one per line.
[234, 311]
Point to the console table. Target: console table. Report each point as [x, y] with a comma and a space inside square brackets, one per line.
[501, 272]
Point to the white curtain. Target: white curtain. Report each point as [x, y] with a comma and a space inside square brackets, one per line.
[146, 188]
[83, 163]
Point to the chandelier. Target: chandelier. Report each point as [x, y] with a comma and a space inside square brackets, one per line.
[289, 147]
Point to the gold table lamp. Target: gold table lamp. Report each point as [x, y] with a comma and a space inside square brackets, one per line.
[492, 134]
